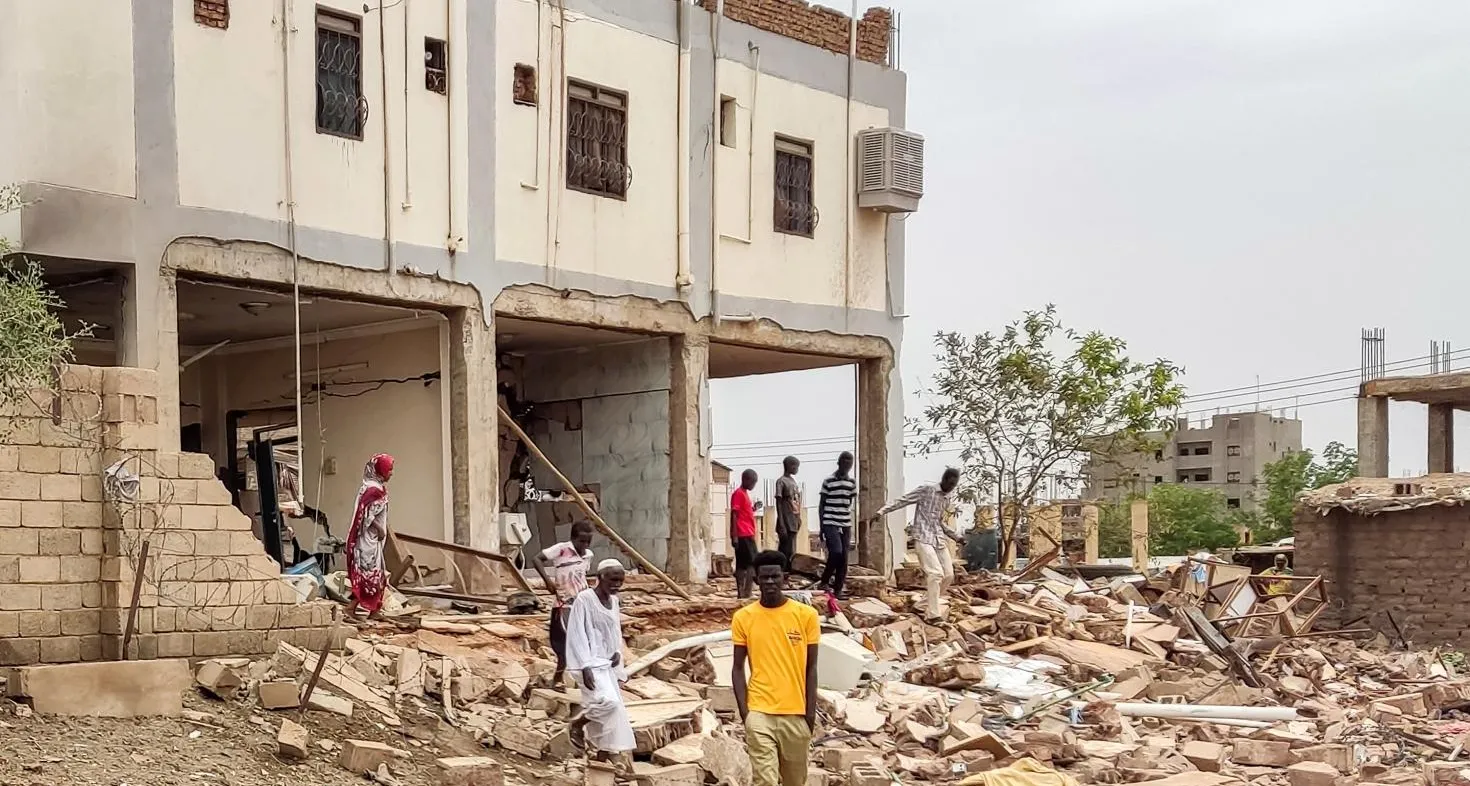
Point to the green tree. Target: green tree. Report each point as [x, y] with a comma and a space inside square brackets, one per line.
[1183, 520]
[1287, 477]
[1027, 404]
[33, 341]
[1115, 529]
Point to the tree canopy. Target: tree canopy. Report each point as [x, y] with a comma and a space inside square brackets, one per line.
[33, 341]
[1025, 405]
[1287, 477]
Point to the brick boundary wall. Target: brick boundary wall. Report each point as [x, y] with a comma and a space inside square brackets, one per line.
[1411, 564]
[814, 24]
[69, 539]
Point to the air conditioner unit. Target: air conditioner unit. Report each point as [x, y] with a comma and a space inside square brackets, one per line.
[890, 170]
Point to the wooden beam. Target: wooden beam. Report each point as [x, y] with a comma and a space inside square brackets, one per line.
[581, 501]
[499, 559]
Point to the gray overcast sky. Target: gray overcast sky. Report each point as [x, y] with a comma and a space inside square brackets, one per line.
[1238, 186]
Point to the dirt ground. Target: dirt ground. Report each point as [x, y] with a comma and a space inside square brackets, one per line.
[237, 746]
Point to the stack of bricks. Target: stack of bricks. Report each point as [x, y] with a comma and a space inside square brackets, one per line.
[212, 13]
[68, 541]
[814, 24]
[1409, 564]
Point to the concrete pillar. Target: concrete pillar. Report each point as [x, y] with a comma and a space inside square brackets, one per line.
[1138, 524]
[148, 337]
[689, 468]
[473, 430]
[1373, 436]
[874, 544]
[212, 429]
[1089, 534]
[1441, 438]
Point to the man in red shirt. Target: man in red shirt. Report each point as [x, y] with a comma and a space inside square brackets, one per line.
[742, 533]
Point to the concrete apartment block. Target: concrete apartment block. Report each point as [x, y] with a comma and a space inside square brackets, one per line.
[70, 539]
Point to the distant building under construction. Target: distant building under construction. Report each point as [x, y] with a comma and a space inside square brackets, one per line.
[1228, 454]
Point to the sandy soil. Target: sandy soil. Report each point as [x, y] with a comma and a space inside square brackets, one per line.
[237, 746]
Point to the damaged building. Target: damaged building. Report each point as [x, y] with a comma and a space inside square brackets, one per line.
[335, 230]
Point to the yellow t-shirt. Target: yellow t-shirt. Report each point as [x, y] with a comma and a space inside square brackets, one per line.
[776, 641]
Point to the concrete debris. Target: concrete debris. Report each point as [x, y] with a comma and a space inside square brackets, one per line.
[1041, 680]
[293, 740]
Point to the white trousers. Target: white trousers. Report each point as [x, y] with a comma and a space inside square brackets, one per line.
[938, 572]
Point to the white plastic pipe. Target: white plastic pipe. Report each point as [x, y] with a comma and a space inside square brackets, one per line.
[1206, 712]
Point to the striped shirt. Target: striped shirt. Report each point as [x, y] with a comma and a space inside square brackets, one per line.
[930, 506]
[836, 503]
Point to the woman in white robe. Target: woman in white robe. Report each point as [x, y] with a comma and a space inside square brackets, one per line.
[595, 658]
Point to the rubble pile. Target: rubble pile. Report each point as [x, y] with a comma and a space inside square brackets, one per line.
[1031, 680]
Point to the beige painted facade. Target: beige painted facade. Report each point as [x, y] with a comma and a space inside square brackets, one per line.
[170, 163]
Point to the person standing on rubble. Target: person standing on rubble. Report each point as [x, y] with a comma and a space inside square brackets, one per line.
[595, 656]
[788, 508]
[742, 533]
[569, 562]
[834, 512]
[931, 503]
[368, 536]
[778, 704]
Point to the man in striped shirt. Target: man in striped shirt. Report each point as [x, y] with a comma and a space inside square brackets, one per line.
[931, 504]
[834, 511]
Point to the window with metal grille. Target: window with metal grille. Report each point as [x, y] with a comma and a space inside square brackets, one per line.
[795, 213]
[436, 66]
[1232, 477]
[597, 141]
[339, 101]
[1071, 511]
[1232, 450]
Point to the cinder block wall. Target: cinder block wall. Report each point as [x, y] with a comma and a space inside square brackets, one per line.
[70, 537]
[620, 441]
[1409, 564]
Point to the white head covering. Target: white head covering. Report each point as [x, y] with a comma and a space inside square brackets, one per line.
[609, 564]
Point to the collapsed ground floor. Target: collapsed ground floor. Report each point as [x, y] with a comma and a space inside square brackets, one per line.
[614, 391]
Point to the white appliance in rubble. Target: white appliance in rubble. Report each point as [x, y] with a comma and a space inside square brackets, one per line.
[515, 533]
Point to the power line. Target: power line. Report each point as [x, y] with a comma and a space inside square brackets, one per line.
[944, 447]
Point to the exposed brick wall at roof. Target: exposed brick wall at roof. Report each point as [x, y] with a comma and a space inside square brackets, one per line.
[814, 24]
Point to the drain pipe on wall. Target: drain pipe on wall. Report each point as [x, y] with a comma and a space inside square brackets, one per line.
[287, 26]
[755, 89]
[407, 158]
[851, 185]
[389, 260]
[451, 241]
[714, 165]
[683, 281]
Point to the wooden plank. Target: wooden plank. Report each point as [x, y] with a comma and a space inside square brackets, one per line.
[499, 559]
[581, 501]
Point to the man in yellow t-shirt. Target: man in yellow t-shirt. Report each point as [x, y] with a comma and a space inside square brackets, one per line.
[779, 702]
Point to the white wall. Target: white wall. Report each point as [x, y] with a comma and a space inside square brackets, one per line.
[538, 220]
[69, 101]
[231, 121]
[402, 419]
[810, 270]
[542, 223]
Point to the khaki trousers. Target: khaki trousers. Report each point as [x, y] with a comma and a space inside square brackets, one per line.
[779, 746]
[938, 571]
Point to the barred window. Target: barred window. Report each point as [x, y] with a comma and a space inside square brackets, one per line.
[339, 102]
[436, 66]
[597, 141]
[795, 214]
